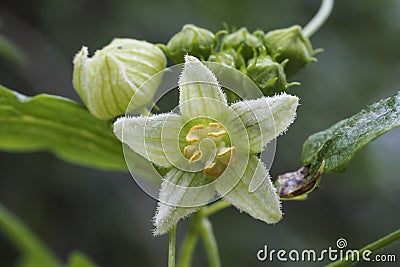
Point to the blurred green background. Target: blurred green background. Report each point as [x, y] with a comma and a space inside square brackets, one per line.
[107, 216]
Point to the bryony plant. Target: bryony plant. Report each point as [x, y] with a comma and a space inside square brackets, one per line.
[209, 149]
[208, 145]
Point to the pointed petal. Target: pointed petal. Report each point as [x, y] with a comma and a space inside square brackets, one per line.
[266, 118]
[181, 194]
[263, 203]
[154, 138]
[197, 86]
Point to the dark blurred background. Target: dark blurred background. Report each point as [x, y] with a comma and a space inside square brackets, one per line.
[107, 216]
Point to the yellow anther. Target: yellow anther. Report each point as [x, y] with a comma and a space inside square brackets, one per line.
[224, 157]
[189, 150]
[214, 169]
[217, 134]
[195, 156]
[227, 156]
[226, 151]
[195, 133]
[210, 168]
[216, 130]
[190, 139]
[197, 127]
[214, 124]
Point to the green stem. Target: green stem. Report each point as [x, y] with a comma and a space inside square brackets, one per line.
[380, 243]
[319, 19]
[172, 247]
[210, 242]
[189, 243]
[200, 225]
[214, 208]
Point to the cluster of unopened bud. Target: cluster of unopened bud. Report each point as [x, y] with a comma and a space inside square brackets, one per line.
[107, 81]
[267, 58]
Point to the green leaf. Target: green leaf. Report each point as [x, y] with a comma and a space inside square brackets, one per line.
[338, 144]
[60, 125]
[78, 259]
[34, 252]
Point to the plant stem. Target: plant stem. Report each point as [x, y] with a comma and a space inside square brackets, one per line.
[172, 247]
[319, 19]
[189, 243]
[214, 208]
[210, 242]
[374, 246]
[200, 225]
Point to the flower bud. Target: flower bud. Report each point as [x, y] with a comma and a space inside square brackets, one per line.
[267, 74]
[242, 41]
[228, 57]
[290, 43]
[107, 81]
[191, 40]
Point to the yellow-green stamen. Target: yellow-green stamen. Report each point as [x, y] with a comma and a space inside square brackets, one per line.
[214, 131]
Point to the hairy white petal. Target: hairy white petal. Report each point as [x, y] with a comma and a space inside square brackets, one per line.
[263, 203]
[197, 85]
[151, 137]
[181, 194]
[266, 118]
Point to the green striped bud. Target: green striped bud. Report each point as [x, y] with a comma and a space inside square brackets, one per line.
[228, 57]
[191, 40]
[267, 74]
[107, 81]
[290, 44]
[243, 41]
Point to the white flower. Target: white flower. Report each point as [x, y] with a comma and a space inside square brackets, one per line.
[210, 147]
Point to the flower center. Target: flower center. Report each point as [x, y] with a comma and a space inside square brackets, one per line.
[214, 131]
